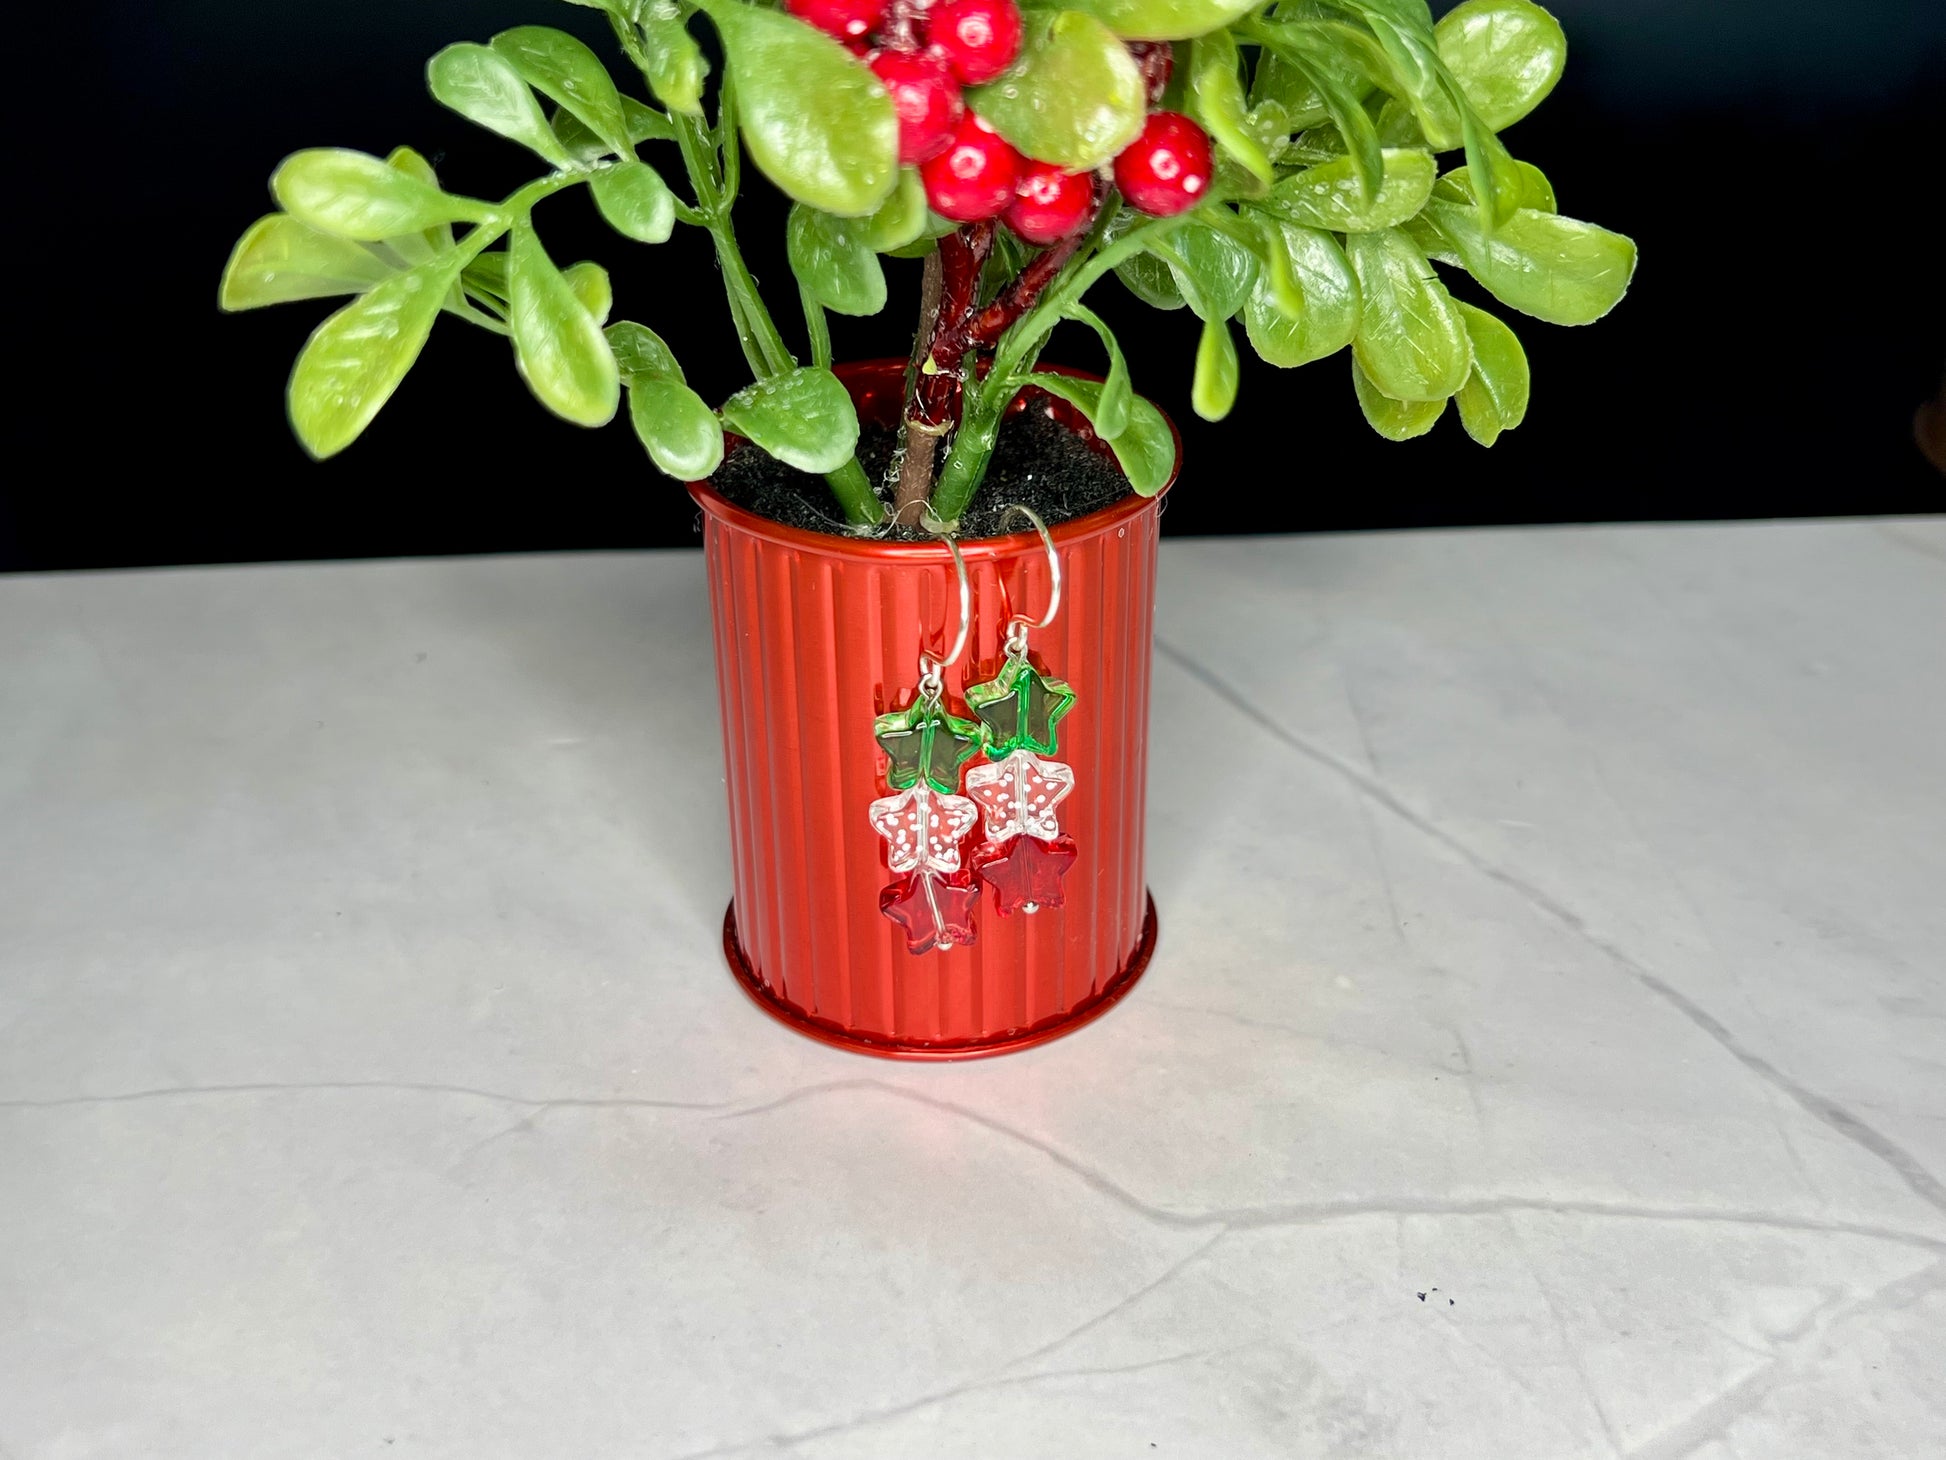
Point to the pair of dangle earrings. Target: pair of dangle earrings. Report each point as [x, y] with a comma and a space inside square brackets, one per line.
[1004, 832]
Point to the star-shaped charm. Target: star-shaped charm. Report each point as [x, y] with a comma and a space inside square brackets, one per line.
[936, 912]
[922, 829]
[1020, 708]
[924, 743]
[1019, 794]
[1025, 873]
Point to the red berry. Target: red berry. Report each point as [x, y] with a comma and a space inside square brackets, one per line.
[1049, 203]
[980, 38]
[924, 95]
[974, 177]
[846, 19]
[1167, 168]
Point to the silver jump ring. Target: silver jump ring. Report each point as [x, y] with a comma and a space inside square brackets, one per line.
[931, 667]
[1020, 625]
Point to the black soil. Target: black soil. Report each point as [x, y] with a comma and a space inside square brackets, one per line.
[1038, 462]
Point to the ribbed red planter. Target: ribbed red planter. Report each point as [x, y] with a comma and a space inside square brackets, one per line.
[815, 636]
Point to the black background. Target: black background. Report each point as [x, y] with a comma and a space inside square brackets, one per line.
[1782, 166]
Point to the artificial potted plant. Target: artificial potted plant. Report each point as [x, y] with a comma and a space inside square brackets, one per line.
[932, 579]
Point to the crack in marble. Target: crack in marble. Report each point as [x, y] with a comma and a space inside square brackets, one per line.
[1167, 1276]
[790, 1440]
[1714, 1417]
[1568, 1345]
[1290, 1214]
[1920, 1181]
[180, 1092]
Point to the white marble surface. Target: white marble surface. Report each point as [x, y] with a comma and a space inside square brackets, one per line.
[1554, 925]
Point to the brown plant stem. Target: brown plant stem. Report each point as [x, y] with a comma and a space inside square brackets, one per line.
[918, 444]
[1025, 291]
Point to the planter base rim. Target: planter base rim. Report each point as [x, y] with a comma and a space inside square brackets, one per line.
[828, 1031]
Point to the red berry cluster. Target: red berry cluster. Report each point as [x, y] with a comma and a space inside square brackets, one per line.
[925, 51]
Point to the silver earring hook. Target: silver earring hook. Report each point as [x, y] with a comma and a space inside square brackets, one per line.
[1020, 625]
[932, 670]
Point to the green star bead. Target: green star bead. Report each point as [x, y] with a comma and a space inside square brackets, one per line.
[1020, 709]
[925, 741]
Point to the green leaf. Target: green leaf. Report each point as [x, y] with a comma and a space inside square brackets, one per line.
[681, 432]
[1216, 100]
[803, 417]
[834, 261]
[814, 118]
[1145, 447]
[645, 124]
[1557, 269]
[589, 281]
[356, 195]
[1344, 100]
[356, 358]
[1214, 390]
[1410, 340]
[1395, 420]
[1213, 271]
[1328, 195]
[636, 201]
[1533, 189]
[1148, 278]
[1163, 20]
[676, 68]
[1073, 97]
[279, 260]
[482, 85]
[570, 75]
[417, 248]
[640, 353]
[902, 219]
[1494, 398]
[1492, 169]
[1328, 317]
[1506, 56]
[558, 345]
[1112, 408]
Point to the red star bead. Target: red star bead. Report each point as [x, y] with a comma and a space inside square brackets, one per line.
[1025, 872]
[936, 912]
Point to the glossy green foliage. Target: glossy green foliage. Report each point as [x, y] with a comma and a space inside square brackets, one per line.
[1329, 196]
[1117, 396]
[1213, 390]
[1395, 420]
[1074, 96]
[1531, 188]
[1328, 305]
[636, 201]
[675, 425]
[1163, 20]
[1216, 99]
[356, 358]
[1410, 339]
[1320, 53]
[803, 417]
[1506, 56]
[592, 287]
[1557, 269]
[279, 259]
[834, 260]
[1149, 279]
[417, 248]
[813, 117]
[1145, 447]
[358, 196]
[675, 66]
[558, 345]
[1212, 271]
[482, 85]
[570, 75]
[645, 124]
[1494, 398]
[902, 218]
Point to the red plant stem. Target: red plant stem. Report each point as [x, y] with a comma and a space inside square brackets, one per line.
[899, 29]
[962, 254]
[1026, 289]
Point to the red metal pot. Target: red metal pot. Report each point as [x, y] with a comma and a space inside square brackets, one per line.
[818, 634]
